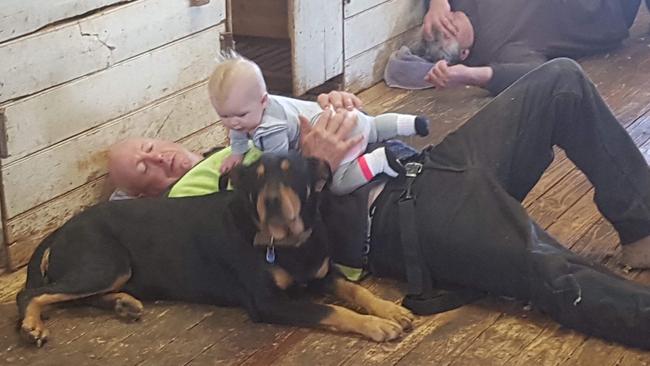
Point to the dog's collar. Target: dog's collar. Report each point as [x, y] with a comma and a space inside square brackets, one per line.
[266, 240]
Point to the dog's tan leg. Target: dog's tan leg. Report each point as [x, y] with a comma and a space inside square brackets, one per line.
[373, 327]
[31, 303]
[358, 295]
[32, 326]
[125, 305]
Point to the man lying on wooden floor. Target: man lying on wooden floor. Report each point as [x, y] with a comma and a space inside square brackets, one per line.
[456, 218]
[492, 43]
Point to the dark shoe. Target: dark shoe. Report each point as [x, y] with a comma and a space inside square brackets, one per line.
[400, 150]
[393, 162]
[422, 125]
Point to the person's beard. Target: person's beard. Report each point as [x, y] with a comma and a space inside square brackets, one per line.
[435, 50]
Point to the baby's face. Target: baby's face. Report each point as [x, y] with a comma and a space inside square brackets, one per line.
[242, 109]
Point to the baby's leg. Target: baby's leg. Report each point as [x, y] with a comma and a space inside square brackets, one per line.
[390, 125]
[352, 175]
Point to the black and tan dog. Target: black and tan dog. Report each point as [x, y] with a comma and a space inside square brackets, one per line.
[239, 248]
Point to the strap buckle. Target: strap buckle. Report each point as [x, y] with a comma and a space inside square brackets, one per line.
[413, 169]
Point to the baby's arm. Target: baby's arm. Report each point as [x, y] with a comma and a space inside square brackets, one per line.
[239, 146]
[230, 162]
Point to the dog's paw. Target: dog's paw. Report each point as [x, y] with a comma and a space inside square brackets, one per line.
[129, 308]
[380, 330]
[397, 313]
[34, 331]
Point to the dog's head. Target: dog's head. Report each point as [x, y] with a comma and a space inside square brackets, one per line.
[282, 189]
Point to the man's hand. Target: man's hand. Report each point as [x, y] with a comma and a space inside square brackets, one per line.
[338, 100]
[328, 138]
[443, 76]
[438, 19]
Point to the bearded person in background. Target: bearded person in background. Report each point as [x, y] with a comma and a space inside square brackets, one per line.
[492, 43]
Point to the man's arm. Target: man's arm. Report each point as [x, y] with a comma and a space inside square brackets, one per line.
[494, 77]
[503, 75]
[443, 76]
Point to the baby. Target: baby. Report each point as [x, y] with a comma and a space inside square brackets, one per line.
[238, 94]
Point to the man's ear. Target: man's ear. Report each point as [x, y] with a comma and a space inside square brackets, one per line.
[464, 53]
[321, 174]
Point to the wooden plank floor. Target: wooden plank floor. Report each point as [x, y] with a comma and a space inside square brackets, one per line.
[491, 332]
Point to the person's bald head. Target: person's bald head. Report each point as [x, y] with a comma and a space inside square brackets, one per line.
[455, 49]
[144, 167]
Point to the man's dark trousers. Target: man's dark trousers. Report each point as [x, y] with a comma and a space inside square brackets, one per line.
[475, 233]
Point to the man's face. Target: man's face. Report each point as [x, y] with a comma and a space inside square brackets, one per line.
[146, 167]
[242, 109]
[455, 49]
[465, 36]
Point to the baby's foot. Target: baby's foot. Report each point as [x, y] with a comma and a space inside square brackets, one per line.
[421, 126]
[394, 167]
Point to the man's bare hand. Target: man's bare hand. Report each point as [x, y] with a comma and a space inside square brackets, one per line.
[443, 76]
[328, 138]
[438, 19]
[338, 100]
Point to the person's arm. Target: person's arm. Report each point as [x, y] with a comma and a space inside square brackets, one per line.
[443, 76]
[328, 138]
[513, 61]
[239, 142]
[503, 75]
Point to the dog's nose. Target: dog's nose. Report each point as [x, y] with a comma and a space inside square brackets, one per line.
[273, 204]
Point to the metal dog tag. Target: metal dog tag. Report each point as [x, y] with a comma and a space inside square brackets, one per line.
[270, 254]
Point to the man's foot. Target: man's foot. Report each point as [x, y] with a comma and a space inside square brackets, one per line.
[422, 125]
[637, 254]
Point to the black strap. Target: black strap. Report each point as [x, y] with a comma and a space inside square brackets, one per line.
[224, 179]
[422, 299]
[440, 300]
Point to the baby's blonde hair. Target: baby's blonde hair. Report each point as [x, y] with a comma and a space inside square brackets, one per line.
[231, 68]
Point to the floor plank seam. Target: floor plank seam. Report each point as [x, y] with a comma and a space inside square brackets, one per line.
[470, 343]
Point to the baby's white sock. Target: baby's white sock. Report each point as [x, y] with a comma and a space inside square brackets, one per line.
[375, 162]
[405, 125]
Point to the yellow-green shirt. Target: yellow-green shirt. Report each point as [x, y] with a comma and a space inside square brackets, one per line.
[203, 178]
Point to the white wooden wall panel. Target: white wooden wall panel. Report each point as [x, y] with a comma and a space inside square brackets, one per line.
[381, 23]
[44, 119]
[28, 229]
[354, 7]
[367, 68]
[316, 31]
[51, 172]
[18, 17]
[76, 48]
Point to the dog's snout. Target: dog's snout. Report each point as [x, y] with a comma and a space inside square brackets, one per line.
[273, 204]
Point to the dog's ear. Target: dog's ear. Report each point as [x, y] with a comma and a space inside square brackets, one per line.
[321, 174]
[242, 177]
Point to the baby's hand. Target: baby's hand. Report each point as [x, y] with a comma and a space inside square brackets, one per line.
[230, 162]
